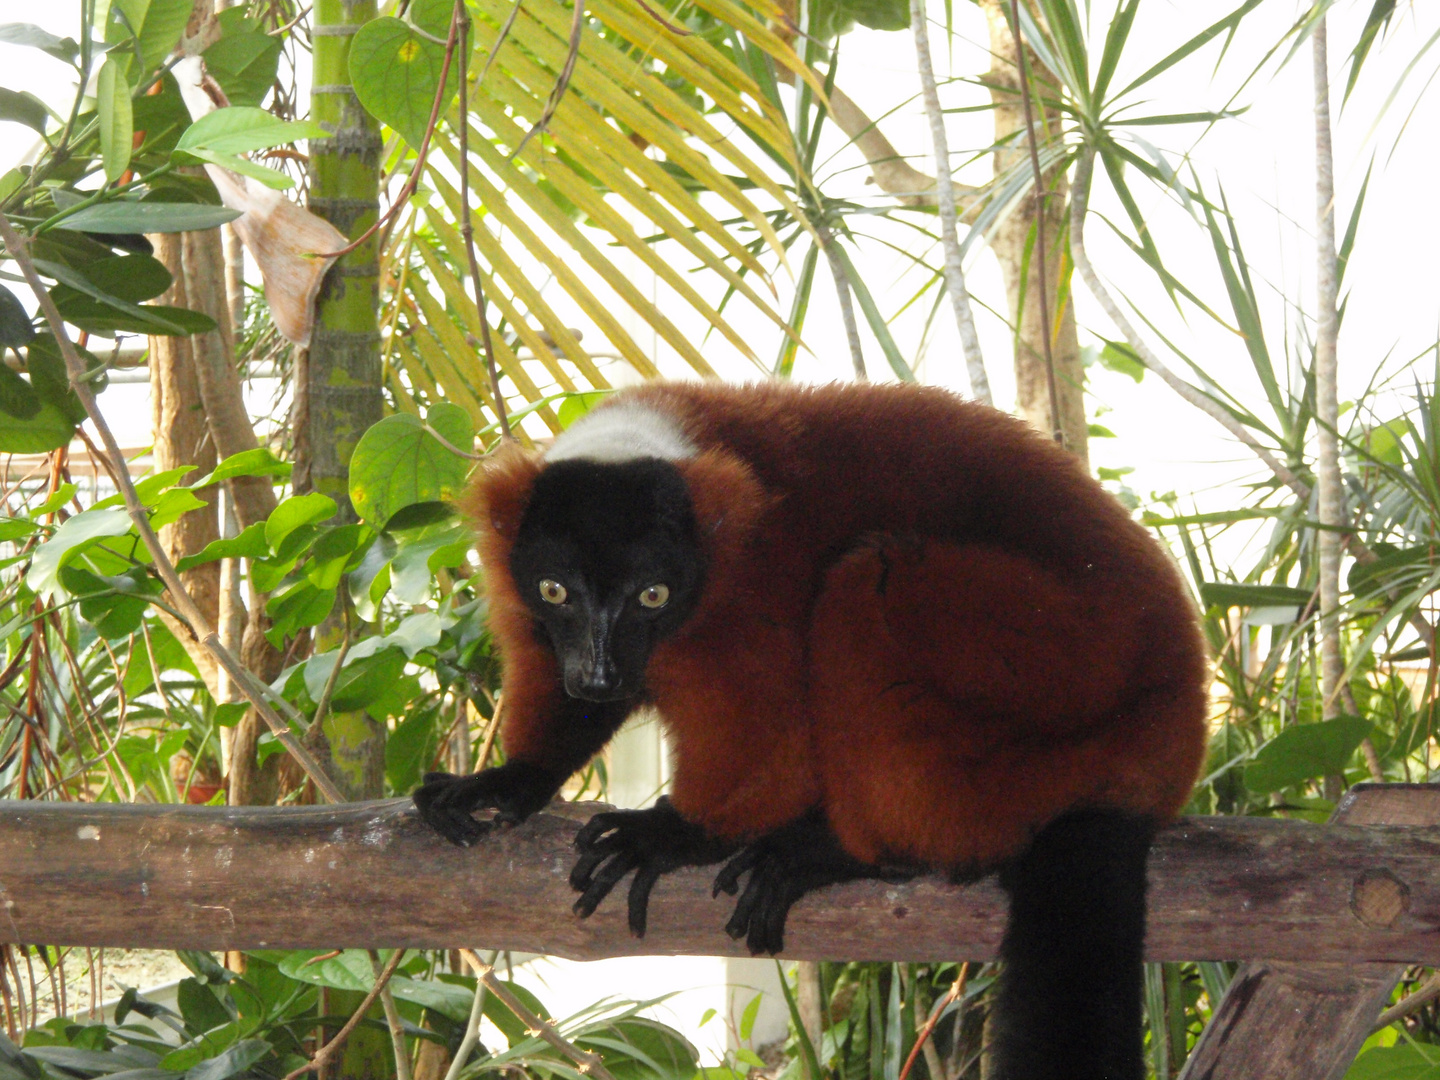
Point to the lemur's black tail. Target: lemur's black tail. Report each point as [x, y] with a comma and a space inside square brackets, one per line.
[1068, 1004]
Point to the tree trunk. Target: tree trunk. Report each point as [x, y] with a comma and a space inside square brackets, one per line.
[339, 376]
[182, 438]
[1013, 244]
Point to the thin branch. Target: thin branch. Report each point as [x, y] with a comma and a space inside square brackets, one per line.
[945, 197]
[392, 1015]
[75, 367]
[956, 989]
[1040, 196]
[1406, 1006]
[534, 1025]
[847, 306]
[1079, 201]
[467, 229]
[472, 1027]
[562, 81]
[324, 1054]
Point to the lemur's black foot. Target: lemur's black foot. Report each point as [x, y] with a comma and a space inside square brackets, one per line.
[650, 842]
[516, 790]
[784, 865]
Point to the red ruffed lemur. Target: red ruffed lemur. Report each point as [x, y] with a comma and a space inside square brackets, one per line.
[887, 630]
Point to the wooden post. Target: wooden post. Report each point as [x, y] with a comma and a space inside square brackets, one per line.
[1306, 1020]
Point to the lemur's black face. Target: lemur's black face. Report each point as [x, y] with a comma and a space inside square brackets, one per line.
[608, 559]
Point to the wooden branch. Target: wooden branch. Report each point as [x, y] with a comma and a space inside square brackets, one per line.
[372, 875]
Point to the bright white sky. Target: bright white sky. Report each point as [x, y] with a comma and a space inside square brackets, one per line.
[1263, 159]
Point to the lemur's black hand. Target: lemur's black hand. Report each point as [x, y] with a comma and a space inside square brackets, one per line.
[516, 790]
[784, 865]
[650, 842]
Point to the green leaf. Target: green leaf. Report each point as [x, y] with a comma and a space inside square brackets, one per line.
[23, 107]
[73, 536]
[112, 104]
[29, 34]
[258, 462]
[151, 28]
[16, 329]
[129, 277]
[237, 1059]
[574, 406]
[296, 609]
[244, 64]
[397, 463]
[1224, 594]
[396, 73]
[1304, 751]
[294, 512]
[1407, 1062]
[105, 317]
[114, 605]
[50, 379]
[1122, 359]
[249, 544]
[123, 216]
[240, 129]
[47, 430]
[173, 505]
[1406, 567]
[17, 397]
[199, 1006]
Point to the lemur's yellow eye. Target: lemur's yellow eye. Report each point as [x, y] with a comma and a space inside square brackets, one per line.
[655, 596]
[552, 592]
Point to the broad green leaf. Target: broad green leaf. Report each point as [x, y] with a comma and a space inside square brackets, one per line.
[1409, 1061]
[272, 178]
[73, 536]
[29, 34]
[258, 462]
[16, 329]
[362, 680]
[398, 463]
[348, 971]
[47, 430]
[114, 605]
[23, 107]
[18, 399]
[244, 64]
[123, 216]
[174, 504]
[1304, 751]
[231, 1062]
[129, 277]
[112, 104]
[52, 382]
[574, 406]
[295, 609]
[105, 317]
[249, 544]
[240, 129]
[294, 512]
[151, 28]
[396, 74]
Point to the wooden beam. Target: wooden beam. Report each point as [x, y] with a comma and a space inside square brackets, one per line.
[1307, 1020]
[370, 874]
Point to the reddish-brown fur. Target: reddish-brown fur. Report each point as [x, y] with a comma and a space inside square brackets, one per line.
[918, 613]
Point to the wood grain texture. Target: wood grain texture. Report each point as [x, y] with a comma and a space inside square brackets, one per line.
[370, 874]
[1307, 1021]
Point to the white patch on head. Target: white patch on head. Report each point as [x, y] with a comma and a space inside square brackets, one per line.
[622, 432]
